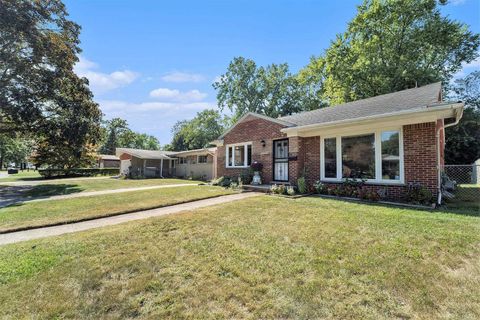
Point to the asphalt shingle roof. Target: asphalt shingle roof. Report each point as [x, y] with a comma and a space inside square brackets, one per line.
[421, 97]
[146, 154]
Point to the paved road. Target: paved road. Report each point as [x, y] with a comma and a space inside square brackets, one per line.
[109, 221]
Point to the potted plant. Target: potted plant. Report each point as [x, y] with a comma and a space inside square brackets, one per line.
[256, 167]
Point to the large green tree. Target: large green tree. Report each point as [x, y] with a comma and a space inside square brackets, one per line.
[14, 149]
[463, 140]
[117, 134]
[390, 45]
[198, 132]
[40, 94]
[246, 87]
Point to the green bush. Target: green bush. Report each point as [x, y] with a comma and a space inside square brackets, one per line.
[291, 191]
[418, 194]
[246, 176]
[222, 181]
[302, 185]
[78, 172]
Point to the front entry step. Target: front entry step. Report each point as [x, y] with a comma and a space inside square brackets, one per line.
[280, 182]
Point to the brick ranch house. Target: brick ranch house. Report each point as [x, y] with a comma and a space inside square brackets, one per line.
[390, 140]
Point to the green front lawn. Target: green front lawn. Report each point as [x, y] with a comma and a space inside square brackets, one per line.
[50, 188]
[264, 257]
[32, 214]
[22, 176]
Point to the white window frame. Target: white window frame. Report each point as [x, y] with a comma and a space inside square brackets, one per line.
[203, 155]
[378, 155]
[245, 160]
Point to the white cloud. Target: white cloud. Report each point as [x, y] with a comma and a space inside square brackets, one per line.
[169, 107]
[183, 77]
[102, 82]
[473, 64]
[457, 2]
[467, 68]
[176, 95]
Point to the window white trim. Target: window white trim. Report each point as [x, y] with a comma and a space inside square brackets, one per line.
[245, 158]
[378, 156]
[203, 155]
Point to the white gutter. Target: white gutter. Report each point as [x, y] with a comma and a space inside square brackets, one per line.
[458, 116]
[426, 109]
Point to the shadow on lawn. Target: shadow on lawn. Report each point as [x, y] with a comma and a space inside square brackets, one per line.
[48, 190]
[16, 195]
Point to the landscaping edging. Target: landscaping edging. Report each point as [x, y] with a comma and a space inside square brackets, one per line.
[60, 223]
[397, 204]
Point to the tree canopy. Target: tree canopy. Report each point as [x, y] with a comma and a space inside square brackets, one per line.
[390, 45]
[40, 94]
[117, 134]
[246, 87]
[462, 142]
[197, 133]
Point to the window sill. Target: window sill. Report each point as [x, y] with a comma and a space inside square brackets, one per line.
[242, 167]
[377, 183]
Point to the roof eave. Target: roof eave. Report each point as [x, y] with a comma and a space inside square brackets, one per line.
[426, 109]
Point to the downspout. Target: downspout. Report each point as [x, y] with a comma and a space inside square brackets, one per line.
[437, 135]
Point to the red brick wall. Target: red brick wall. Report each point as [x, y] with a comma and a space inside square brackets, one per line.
[125, 156]
[251, 129]
[420, 154]
[420, 160]
[312, 159]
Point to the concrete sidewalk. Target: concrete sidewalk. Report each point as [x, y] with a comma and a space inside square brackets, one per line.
[110, 221]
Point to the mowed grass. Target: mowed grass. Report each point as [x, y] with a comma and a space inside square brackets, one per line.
[22, 176]
[50, 188]
[31, 214]
[265, 257]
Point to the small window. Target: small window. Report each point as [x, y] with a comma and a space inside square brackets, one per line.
[330, 147]
[182, 160]
[390, 155]
[239, 155]
[202, 159]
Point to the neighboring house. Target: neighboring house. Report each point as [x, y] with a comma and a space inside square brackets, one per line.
[390, 140]
[108, 161]
[197, 164]
[147, 163]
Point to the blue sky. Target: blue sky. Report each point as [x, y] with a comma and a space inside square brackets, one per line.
[153, 62]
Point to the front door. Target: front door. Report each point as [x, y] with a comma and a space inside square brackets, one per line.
[280, 160]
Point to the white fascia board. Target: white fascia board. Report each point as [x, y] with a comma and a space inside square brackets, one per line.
[412, 116]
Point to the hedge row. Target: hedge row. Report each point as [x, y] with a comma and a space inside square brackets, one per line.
[78, 172]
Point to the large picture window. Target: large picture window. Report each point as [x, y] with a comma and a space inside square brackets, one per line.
[358, 157]
[239, 155]
[374, 156]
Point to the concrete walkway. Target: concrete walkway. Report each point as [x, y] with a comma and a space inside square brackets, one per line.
[103, 192]
[110, 221]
